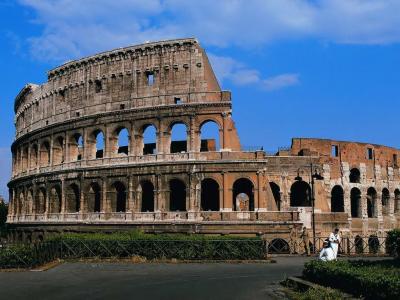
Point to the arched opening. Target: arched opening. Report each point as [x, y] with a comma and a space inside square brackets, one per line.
[243, 195]
[373, 244]
[359, 244]
[178, 142]
[385, 202]
[29, 202]
[76, 147]
[397, 200]
[34, 156]
[372, 196]
[209, 195]
[94, 198]
[276, 192]
[24, 159]
[300, 194]
[337, 199]
[278, 246]
[72, 198]
[149, 139]
[95, 143]
[355, 175]
[209, 137]
[55, 200]
[45, 154]
[147, 196]
[118, 203]
[355, 200]
[40, 203]
[177, 195]
[58, 151]
[21, 201]
[123, 141]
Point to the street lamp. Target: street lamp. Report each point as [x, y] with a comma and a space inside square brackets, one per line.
[315, 175]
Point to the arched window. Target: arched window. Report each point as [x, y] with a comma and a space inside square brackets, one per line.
[58, 151]
[123, 141]
[209, 195]
[72, 198]
[355, 199]
[45, 154]
[149, 140]
[55, 200]
[243, 195]
[359, 244]
[385, 201]
[373, 244]
[300, 194]
[40, 202]
[178, 138]
[25, 159]
[177, 195]
[396, 200]
[99, 136]
[34, 156]
[355, 176]
[28, 203]
[118, 203]
[337, 199]
[76, 147]
[372, 196]
[209, 137]
[276, 192]
[147, 188]
[21, 204]
[94, 198]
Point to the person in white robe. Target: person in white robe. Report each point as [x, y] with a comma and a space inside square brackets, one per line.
[334, 239]
[326, 253]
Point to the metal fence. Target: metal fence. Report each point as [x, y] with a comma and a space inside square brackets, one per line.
[371, 245]
[31, 255]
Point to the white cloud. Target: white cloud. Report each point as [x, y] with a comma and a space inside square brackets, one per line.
[75, 28]
[227, 68]
[281, 81]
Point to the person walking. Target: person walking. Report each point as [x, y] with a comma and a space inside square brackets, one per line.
[334, 239]
[305, 236]
[293, 241]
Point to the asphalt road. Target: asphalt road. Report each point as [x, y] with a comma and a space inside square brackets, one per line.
[149, 281]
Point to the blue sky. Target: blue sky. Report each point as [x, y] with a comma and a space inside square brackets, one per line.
[317, 68]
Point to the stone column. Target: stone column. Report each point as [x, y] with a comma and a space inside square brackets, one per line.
[227, 193]
[63, 201]
[104, 205]
[224, 130]
[131, 192]
[47, 205]
[51, 150]
[82, 202]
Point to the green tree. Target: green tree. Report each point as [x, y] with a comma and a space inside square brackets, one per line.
[3, 212]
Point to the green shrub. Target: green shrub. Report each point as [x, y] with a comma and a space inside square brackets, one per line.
[372, 280]
[318, 293]
[393, 242]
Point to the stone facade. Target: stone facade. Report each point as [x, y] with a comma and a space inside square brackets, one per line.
[72, 172]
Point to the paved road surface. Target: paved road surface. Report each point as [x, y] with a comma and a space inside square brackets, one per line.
[149, 281]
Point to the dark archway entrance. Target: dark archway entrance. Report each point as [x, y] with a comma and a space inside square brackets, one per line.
[119, 202]
[147, 196]
[300, 194]
[276, 191]
[243, 195]
[371, 202]
[209, 195]
[94, 201]
[337, 199]
[177, 195]
[355, 199]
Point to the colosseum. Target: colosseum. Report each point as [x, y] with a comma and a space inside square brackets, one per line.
[95, 150]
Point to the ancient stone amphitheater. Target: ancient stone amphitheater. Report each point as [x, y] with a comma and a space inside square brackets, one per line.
[95, 150]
